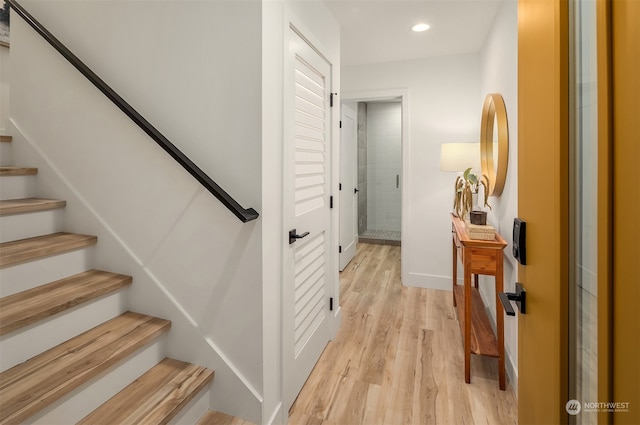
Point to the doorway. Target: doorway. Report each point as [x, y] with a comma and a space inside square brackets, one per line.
[379, 171]
[395, 179]
[378, 212]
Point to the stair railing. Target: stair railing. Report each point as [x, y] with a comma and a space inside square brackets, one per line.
[244, 214]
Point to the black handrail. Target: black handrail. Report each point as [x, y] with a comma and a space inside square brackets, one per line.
[244, 214]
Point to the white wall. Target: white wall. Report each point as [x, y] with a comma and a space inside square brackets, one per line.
[384, 163]
[273, 25]
[442, 107]
[499, 74]
[194, 70]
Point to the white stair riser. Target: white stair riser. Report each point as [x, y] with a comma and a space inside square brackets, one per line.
[83, 400]
[192, 412]
[24, 343]
[28, 275]
[21, 226]
[5, 154]
[17, 187]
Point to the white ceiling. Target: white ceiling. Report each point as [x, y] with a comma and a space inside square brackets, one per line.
[374, 31]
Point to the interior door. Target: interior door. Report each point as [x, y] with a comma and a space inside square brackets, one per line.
[348, 184]
[307, 153]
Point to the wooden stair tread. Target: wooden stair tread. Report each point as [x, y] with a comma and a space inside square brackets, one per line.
[16, 252]
[27, 307]
[155, 397]
[18, 171]
[212, 417]
[31, 386]
[5, 139]
[15, 206]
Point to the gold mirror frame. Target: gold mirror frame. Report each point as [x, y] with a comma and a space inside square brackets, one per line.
[494, 111]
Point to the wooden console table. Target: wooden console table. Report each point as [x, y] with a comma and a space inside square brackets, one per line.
[486, 258]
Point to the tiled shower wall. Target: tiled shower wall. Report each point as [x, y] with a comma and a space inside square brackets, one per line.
[362, 167]
[384, 165]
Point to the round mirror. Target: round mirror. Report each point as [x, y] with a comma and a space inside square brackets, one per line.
[494, 142]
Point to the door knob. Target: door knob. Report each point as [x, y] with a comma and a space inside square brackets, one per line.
[294, 237]
[520, 297]
[355, 190]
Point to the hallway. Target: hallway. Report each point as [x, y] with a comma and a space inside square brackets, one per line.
[398, 358]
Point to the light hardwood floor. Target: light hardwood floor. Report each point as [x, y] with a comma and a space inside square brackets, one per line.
[397, 358]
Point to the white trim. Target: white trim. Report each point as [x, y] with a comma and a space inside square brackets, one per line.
[311, 44]
[428, 281]
[512, 374]
[337, 320]
[276, 416]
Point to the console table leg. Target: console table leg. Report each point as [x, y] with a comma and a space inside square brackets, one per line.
[467, 322]
[455, 270]
[500, 322]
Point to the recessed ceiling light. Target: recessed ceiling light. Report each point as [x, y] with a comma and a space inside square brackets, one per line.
[420, 27]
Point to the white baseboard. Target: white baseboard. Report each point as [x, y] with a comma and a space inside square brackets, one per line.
[419, 280]
[512, 373]
[276, 417]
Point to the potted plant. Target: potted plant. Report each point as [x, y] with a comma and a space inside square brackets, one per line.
[466, 187]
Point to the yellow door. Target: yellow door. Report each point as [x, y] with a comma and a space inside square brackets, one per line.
[551, 370]
[543, 204]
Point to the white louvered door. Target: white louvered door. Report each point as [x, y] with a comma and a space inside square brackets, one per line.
[306, 206]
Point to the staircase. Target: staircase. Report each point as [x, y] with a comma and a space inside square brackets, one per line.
[69, 349]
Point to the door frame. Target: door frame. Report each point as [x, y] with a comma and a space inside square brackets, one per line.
[403, 96]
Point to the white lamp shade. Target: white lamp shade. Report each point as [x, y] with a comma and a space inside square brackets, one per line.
[459, 156]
